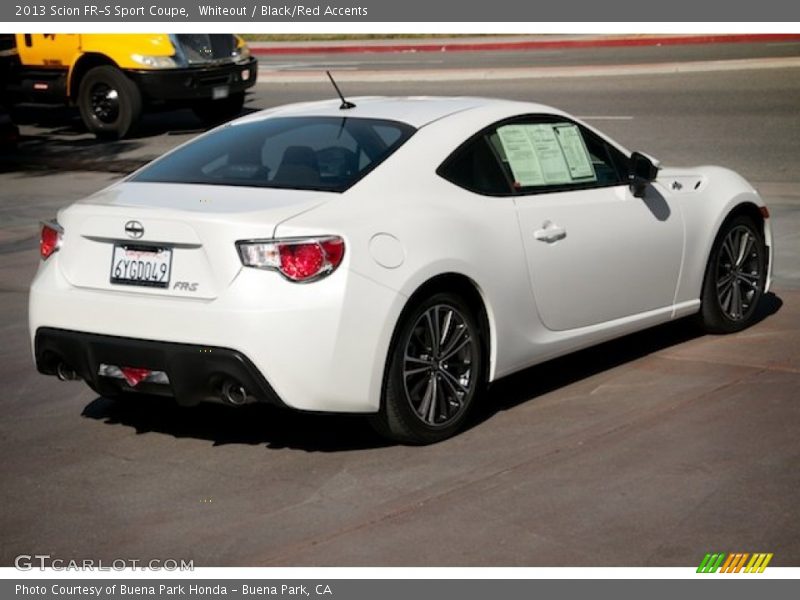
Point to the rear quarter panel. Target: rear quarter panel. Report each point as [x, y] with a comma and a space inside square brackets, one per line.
[441, 228]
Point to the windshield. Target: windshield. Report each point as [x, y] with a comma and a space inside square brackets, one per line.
[305, 153]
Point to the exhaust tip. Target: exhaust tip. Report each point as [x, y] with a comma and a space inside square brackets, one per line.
[66, 373]
[234, 393]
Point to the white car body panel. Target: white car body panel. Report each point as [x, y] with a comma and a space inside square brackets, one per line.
[621, 255]
[626, 264]
[199, 221]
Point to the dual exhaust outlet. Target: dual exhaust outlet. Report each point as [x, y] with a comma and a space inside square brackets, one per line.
[232, 391]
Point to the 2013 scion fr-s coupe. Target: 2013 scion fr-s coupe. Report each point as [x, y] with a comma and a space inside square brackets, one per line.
[388, 256]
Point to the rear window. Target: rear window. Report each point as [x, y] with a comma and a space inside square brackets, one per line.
[304, 153]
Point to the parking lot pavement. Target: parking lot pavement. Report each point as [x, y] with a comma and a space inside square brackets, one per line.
[650, 450]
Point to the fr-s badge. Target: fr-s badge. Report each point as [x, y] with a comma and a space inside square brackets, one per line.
[185, 286]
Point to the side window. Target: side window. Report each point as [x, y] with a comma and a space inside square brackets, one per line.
[551, 154]
[476, 168]
[610, 164]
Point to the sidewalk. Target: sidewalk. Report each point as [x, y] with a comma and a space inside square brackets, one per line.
[269, 76]
[506, 43]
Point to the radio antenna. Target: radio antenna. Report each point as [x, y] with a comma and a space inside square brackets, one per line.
[345, 104]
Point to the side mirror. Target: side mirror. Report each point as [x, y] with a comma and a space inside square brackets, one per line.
[641, 172]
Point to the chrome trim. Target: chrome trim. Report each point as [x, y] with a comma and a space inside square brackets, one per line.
[134, 229]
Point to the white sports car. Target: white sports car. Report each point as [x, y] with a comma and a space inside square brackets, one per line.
[390, 257]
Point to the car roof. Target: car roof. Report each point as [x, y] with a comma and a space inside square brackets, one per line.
[416, 111]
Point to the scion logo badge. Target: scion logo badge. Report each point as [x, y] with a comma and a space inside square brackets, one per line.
[734, 562]
[134, 229]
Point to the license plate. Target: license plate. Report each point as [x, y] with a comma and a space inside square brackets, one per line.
[141, 265]
[220, 92]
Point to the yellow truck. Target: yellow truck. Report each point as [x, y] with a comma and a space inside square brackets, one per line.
[113, 78]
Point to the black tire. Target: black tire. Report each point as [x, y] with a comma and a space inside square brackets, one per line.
[734, 281]
[216, 112]
[454, 381]
[110, 103]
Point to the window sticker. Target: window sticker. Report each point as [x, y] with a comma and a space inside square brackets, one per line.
[575, 152]
[546, 154]
[521, 156]
[548, 151]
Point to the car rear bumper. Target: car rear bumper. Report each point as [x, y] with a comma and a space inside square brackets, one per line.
[195, 373]
[196, 83]
[319, 347]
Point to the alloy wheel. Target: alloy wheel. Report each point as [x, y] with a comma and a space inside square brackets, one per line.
[738, 276]
[438, 372]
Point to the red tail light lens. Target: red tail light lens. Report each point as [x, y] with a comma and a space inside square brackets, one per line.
[301, 261]
[334, 250]
[49, 239]
[298, 259]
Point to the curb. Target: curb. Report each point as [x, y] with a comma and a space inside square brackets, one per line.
[456, 46]
[514, 73]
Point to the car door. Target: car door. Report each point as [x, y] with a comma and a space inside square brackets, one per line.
[595, 252]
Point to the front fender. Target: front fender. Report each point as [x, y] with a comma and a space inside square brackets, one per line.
[705, 210]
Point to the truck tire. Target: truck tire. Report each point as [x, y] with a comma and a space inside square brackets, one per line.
[109, 102]
[215, 112]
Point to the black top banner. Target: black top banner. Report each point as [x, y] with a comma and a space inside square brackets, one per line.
[439, 11]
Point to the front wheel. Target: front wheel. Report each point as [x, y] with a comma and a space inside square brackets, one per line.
[110, 103]
[735, 277]
[435, 371]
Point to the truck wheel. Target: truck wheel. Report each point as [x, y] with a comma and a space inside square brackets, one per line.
[214, 112]
[109, 102]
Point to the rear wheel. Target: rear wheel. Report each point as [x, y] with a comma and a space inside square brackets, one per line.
[215, 112]
[735, 277]
[435, 371]
[109, 102]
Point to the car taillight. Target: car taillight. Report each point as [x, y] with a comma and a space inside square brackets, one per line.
[297, 259]
[49, 239]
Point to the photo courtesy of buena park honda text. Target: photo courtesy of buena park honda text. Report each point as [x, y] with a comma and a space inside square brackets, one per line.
[362, 299]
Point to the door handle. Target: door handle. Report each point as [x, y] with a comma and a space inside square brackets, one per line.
[550, 233]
